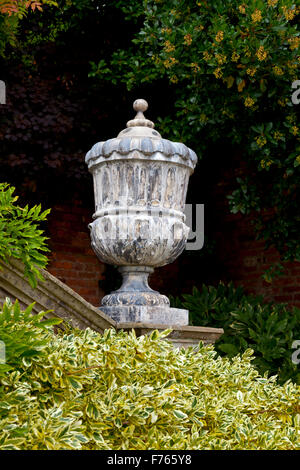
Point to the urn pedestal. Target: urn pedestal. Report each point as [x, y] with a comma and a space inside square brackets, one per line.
[140, 185]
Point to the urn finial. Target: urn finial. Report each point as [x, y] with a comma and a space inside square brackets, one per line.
[140, 106]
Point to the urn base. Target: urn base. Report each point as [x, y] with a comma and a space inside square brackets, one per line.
[147, 314]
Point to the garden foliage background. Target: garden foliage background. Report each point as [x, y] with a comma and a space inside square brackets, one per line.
[218, 76]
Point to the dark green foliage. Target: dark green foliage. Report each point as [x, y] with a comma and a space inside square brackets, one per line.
[248, 322]
[20, 236]
[230, 67]
[24, 335]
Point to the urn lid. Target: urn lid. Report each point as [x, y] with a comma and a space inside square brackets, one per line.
[140, 140]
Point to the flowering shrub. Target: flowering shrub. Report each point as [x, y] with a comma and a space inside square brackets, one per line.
[11, 12]
[83, 390]
[231, 65]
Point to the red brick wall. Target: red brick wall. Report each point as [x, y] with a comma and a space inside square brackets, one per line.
[72, 259]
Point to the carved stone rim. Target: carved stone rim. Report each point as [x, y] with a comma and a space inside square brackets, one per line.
[146, 146]
[139, 211]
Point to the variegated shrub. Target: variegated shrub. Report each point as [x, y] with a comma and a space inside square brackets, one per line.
[82, 390]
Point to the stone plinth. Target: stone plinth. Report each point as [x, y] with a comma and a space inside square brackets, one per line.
[147, 314]
[180, 336]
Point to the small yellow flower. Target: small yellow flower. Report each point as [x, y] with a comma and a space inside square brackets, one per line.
[187, 40]
[291, 118]
[251, 71]
[278, 135]
[174, 79]
[294, 130]
[282, 102]
[166, 30]
[207, 56]
[289, 13]
[219, 36]
[291, 65]
[249, 102]
[218, 72]
[294, 42]
[226, 112]
[235, 57]
[277, 70]
[168, 63]
[242, 9]
[195, 67]
[229, 81]
[266, 163]
[241, 86]
[256, 16]
[261, 53]
[169, 47]
[247, 52]
[221, 59]
[261, 141]
[156, 59]
[298, 159]
[272, 3]
[203, 117]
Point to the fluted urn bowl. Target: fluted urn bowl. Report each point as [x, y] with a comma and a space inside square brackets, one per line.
[140, 185]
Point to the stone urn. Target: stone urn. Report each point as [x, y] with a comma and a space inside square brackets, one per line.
[140, 185]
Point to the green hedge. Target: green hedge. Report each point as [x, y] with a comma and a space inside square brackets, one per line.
[20, 236]
[248, 322]
[82, 390]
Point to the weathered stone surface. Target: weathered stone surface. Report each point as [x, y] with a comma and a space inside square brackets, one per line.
[180, 336]
[135, 289]
[147, 314]
[138, 144]
[52, 294]
[139, 217]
